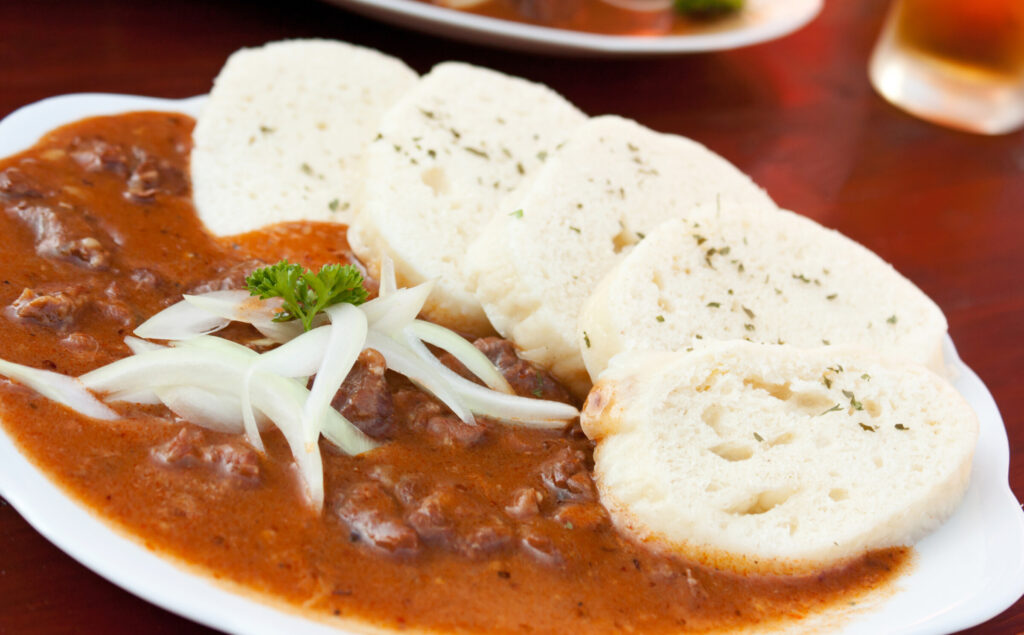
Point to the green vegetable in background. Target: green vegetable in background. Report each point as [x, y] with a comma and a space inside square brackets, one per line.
[707, 8]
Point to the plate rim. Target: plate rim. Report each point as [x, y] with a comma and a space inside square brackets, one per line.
[168, 582]
[497, 32]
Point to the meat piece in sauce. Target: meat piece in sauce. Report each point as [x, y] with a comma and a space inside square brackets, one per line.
[525, 503]
[455, 519]
[422, 412]
[526, 379]
[56, 310]
[62, 309]
[567, 478]
[145, 176]
[98, 155]
[14, 184]
[230, 277]
[63, 234]
[373, 515]
[150, 176]
[364, 398]
[190, 448]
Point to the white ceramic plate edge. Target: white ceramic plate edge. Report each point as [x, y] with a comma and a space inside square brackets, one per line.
[783, 17]
[967, 571]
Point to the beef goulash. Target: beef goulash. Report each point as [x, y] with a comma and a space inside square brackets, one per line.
[443, 526]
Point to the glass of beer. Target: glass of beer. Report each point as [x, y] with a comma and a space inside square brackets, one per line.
[958, 63]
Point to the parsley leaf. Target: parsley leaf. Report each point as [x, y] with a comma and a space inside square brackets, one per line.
[306, 293]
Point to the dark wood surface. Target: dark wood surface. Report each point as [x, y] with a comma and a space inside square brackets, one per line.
[798, 115]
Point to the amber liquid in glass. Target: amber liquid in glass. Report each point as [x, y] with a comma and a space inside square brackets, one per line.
[955, 62]
[981, 36]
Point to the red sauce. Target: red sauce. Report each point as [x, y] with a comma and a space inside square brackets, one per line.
[444, 527]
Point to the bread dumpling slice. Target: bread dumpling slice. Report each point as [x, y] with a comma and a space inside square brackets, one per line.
[283, 135]
[775, 458]
[769, 278]
[612, 183]
[463, 139]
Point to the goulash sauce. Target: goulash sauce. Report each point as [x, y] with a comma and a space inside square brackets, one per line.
[446, 526]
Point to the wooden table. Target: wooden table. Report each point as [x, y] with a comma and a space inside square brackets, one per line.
[798, 115]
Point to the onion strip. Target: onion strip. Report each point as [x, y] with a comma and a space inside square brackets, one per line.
[65, 390]
[538, 413]
[179, 322]
[463, 350]
[347, 336]
[401, 360]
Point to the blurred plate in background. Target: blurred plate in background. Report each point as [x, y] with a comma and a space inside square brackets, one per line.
[759, 21]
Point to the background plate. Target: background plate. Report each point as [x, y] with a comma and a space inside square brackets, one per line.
[969, 570]
[764, 20]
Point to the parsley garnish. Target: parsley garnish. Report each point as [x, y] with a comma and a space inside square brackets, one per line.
[306, 293]
[517, 214]
[856, 405]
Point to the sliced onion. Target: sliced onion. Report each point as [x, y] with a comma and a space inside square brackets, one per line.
[389, 315]
[300, 357]
[188, 366]
[60, 388]
[463, 350]
[145, 397]
[342, 433]
[347, 336]
[180, 321]
[539, 413]
[217, 411]
[241, 306]
[388, 284]
[141, 346]
[401, 360]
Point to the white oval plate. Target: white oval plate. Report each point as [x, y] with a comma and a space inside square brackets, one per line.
[762, 20]
[968, 571]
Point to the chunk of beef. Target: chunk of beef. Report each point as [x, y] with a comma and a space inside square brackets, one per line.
[63, 235]
[231, 277]
[372, 514]
[81, 343]
[525, 378]
[581, 516]
[145, 175]
[525, 503]
[56, 310]
[97, 155]
[62, 309]
[567, 478]
[456, 519]
[364, 398]
[113, 305]
[150, 176]
[537, 543]
[423, 413]
[14, 184]
[233, 460]
[190, 448]
[148, 280]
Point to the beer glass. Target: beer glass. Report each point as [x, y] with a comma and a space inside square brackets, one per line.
[958, 63]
